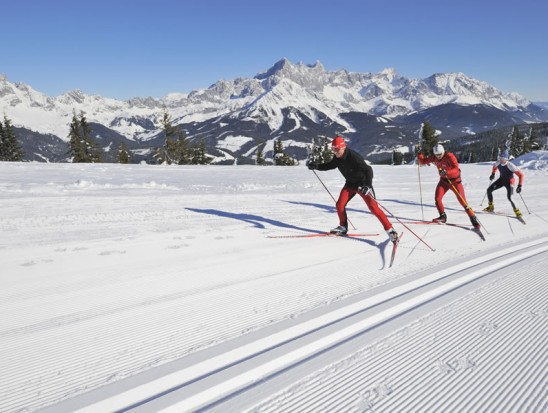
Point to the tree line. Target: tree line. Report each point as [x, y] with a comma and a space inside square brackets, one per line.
[175, 150]
[482, 147]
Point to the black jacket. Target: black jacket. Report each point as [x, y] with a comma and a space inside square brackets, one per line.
[353, 167]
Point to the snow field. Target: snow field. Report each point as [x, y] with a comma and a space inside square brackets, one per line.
[113, 274]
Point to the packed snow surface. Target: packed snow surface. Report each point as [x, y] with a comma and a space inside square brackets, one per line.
[176, 288]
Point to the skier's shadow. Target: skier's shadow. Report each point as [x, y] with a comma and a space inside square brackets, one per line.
[256, 220]
[326, 208]
[260, 222]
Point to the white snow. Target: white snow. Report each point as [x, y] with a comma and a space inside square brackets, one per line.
[168, 288]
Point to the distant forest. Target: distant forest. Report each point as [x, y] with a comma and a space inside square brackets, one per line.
[486, 146]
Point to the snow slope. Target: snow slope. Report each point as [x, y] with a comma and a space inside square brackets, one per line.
[154, 288]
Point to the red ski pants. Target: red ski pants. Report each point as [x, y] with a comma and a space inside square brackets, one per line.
[347, 194]
[457, 188]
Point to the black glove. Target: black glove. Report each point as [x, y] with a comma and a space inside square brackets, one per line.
[311, 165]
[366, 190]
[518, 189]
[491, 177]
[443, 172]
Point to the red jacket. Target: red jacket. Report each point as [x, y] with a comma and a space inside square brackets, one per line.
[447, 163]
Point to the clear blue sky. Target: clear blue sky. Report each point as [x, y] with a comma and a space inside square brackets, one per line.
[128, 48]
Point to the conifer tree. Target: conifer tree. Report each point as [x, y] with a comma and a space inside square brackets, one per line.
[428, 138]
[181, 153]
[201, 154]
[175, 149]
[76, 145]
[123, 154]
[10, 149]
[516, 143]
[93, 152]
[321, 150]
[82, 148]
[281, 158]
[495, 153]
[260, 155]
[532, 143]
[397, 157]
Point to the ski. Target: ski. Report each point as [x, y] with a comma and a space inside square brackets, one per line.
[320, 234]
[441, 223]
[463, 226]
[502, 214]
[394, 248]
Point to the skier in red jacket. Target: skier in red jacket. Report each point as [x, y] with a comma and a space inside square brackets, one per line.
[359, 180]
[506, 179]
[448, 169]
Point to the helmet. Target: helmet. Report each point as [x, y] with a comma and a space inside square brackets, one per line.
[338, 142]
[504, 155]
[438, 150]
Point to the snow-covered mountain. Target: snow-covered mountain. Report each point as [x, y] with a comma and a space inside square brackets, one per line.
[291, 102]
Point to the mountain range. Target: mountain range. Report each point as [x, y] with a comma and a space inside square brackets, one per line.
[295, 103]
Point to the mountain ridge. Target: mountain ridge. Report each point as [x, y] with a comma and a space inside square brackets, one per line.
[275, 104]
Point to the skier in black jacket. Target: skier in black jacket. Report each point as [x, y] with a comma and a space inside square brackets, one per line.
[359, 180]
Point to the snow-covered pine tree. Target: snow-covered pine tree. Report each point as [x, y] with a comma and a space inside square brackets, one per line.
[281, 158]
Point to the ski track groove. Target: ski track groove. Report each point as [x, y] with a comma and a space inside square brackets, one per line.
[352, 379]
[439, 401]
[516, 372]
[513, 338]
[472, 383]
[343, 384]
[71, 356]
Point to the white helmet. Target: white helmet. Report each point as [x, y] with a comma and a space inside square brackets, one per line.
[438, 150]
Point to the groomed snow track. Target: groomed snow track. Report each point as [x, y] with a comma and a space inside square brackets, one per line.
[228, 377]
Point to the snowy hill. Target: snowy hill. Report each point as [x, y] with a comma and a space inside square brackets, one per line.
[291, 102]
[153, 288]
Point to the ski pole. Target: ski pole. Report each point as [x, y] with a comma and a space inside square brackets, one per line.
[418, 148]
[522, 200]
[397, 219]
[484, 195]
[420, 189]
[334, 200]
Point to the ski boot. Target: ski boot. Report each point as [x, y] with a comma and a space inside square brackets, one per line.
[517, 212]
[475, 222]
[340, 230]
[442, 219]
[490, 208]
[393, 235]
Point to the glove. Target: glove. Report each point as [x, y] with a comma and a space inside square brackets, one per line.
[491, 177]
[518, 189]
[366, 190]
[443, 172]
[311, 165]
